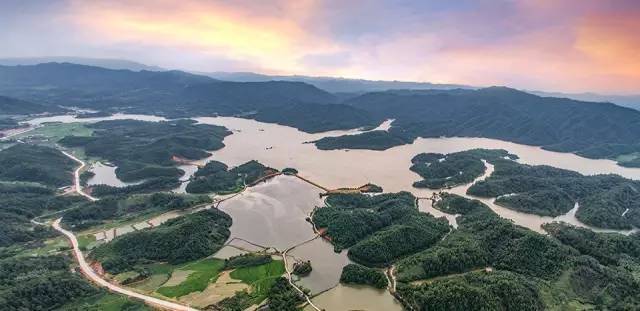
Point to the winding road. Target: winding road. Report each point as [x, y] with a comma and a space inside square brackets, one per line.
[94, 277]
[76, 176]
[90, 274]
[86, 269]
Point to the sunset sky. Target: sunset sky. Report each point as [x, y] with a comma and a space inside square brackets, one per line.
[568, 45]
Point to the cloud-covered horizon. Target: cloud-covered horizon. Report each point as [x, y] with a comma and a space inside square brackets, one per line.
[570, 46]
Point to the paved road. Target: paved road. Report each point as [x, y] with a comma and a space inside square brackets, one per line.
[86, 268]
[76, 176]
[90, 274]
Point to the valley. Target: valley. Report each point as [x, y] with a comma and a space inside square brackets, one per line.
[271, 216]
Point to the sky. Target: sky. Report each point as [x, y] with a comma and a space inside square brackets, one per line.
[551, 45]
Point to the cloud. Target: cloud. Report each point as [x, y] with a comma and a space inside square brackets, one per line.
[573, 45]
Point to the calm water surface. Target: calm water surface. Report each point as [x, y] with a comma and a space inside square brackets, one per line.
[273, 213]
[106, 175]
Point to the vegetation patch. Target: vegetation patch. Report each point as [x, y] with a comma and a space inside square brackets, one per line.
[289, 171]
[260, 278]
[106, 302]
[379, 229]
[52, 133]
[550, 191]
[282, 296]
[357, 274]
[96, 213]
[216, 177]
[40, 283]
[144, 150]
[21, 202]
[178, 240]
[247, 260]
[149, 185]
[446, 171]
[475, 291]
[32, 163]
[302, 268]
[373, 140]
[202, 272]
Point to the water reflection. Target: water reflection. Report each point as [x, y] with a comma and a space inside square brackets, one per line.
[106, 175]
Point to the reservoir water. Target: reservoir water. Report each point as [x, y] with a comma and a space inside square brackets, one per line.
[273, 214]
[106, 175]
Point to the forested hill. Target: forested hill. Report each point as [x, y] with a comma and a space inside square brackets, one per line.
[13, 106]
[161, 91]
[179, 94]
[597, 130]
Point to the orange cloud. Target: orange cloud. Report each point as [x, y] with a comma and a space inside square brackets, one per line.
[612, 42]
[211, 28]
[549, 45]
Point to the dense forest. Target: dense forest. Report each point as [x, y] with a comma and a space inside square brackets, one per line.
[176, 241]
[246, 260]
[148, 149]
[13, 106]
[357, 274]
[373, 140]
[596, 130]
[217, 177]
[282, 296]
[147, 186]
[8, 123]
[45, 165]
[549, 191]
[95, 213]
[19, 203]
[378, 229]
[46, 283]
[489, 263]
[440, 171]
[315, 118]
[40, 283]
[30, 175]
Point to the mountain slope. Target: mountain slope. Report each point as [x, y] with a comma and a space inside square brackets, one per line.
[596, 130]
[109, 63]
[164, 92]
[333, 84]
[12, 106]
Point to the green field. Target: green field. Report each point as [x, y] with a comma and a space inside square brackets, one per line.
[205, 271]
[260, 278]
[106, 302]
[49, 247]
[56, 131]
[87, 242]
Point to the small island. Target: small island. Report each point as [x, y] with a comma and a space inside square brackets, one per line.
[373, 140]
[302, 268]
[357, 274]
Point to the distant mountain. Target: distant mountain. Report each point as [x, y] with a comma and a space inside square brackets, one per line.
[174, 94]
[597, 130]
[335, 85]
[631, 101]
[314, 118]
[109, 63]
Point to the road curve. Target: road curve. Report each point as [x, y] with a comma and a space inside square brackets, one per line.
[76, 176]
[86, 268]
[90, 274]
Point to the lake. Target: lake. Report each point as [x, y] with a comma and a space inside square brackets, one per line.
[273, 213]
